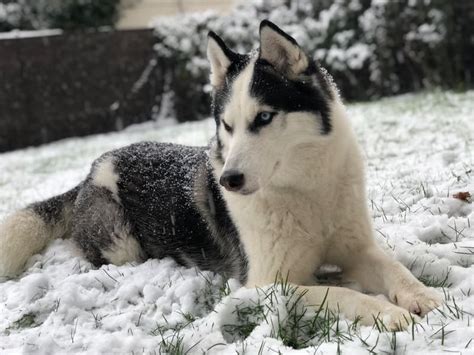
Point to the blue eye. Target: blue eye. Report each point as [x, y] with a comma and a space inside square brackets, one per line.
[264, 118]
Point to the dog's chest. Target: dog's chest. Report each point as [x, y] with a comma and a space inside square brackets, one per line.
[291, 218]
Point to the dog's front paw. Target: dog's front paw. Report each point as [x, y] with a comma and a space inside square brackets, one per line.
[394, 319]
[418, 300]
[384, 315]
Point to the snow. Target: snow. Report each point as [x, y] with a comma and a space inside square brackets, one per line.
[419, 151]
[29, 34]
[10, 13]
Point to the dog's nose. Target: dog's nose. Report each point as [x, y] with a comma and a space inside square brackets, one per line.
[232, 180]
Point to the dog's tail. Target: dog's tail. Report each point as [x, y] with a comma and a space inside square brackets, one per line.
[28, 231]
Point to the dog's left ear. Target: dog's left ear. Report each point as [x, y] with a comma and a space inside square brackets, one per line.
[281, 50]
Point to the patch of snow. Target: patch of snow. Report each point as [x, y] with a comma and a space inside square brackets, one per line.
[419, 152]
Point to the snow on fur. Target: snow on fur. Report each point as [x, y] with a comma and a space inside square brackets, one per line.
[419, 151]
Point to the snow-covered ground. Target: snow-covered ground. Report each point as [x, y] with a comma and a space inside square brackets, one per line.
[419, 150]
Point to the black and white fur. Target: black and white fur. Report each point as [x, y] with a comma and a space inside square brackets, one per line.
[280, 190]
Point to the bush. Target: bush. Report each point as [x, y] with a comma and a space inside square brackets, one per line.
[11, 16]
[76, 14]
[372, 48]
[64, 14]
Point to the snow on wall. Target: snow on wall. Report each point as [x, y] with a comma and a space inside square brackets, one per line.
[29, 34]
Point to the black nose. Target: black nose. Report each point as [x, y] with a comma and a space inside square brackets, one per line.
[232, 180]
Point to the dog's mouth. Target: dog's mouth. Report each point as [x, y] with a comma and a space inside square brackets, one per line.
[246, 192]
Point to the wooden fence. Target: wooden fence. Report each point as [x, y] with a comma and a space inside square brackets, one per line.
[75, 84]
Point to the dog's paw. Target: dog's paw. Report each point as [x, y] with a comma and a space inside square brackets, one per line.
[395, 319]
[418, 300]
[387, 317]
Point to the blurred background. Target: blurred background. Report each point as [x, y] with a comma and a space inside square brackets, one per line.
[79, 67]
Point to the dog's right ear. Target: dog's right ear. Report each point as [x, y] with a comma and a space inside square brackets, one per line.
[220, 57]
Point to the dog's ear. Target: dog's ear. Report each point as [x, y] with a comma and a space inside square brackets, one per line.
[281, 50]
[220, 58]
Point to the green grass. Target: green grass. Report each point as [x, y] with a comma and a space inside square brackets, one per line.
[28, 320]
[172, 342]
[436, 281]
[295, 324]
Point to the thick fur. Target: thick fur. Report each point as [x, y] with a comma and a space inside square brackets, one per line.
[28, 231]
[299, 202]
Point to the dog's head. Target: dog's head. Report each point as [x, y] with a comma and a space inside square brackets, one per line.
[269, 106]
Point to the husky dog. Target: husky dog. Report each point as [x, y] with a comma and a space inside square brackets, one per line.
[279, 190]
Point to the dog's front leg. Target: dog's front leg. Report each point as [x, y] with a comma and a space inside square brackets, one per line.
[376, 272]
[352, 304]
